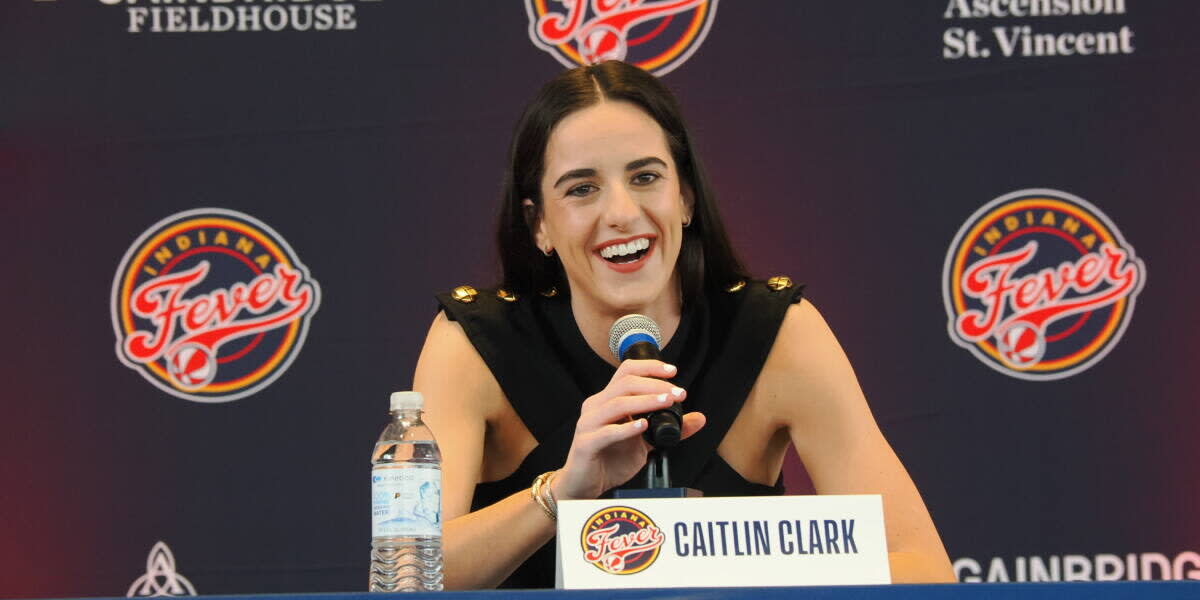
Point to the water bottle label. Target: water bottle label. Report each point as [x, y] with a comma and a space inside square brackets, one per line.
[406, 502]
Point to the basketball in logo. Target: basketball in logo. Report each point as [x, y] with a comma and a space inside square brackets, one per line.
[656, 35]
[621, 540]
[1039, 284]
[211, 305]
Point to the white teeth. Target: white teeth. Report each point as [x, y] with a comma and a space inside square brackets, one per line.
[625, 249]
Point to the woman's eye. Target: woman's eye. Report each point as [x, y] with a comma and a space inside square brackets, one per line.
[581, 190]
[645, 178]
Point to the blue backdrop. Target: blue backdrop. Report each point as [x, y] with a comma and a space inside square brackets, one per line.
[364, 140]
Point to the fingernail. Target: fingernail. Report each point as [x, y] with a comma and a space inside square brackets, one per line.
[662, 397]
[639, 424]
[669, 368]
[676, 392]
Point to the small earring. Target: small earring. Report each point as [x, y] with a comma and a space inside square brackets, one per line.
[686, 222]
[547, 252]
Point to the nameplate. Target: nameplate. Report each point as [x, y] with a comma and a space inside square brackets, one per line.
[721, 542]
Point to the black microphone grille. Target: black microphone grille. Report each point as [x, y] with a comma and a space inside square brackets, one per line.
[631, 324]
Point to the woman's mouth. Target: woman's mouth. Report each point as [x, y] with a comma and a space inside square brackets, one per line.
[627, 255]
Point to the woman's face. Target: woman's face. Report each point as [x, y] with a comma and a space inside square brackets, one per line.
[613, 208]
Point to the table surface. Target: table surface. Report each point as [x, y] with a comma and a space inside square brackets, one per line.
[1091, 590]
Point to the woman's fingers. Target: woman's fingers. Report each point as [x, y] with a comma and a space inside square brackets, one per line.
[630, 385]
[692, 422]
[621, 407]
[617, 432]
[645, 368]
[607, 444]
[633, 385]
[636, 378]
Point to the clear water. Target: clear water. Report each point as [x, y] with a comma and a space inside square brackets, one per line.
[406, 564]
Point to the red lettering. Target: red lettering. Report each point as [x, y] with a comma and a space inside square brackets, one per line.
[613, 20]
[988, 281]
[1027, 293]
[291, 283]
[148, 303]
[611, 551]
[1089, 272]
[1056, 286]
[262, 293]
[198, 313]
[555, 28]
[1038, 299]
[212, 319]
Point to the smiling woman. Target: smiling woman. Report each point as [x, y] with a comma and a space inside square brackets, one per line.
[607, 212]
[619, 193]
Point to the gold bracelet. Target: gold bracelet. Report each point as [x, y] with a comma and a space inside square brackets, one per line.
[549, 493]
[536, 491]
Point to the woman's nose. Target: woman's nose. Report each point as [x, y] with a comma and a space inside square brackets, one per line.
[621, 209]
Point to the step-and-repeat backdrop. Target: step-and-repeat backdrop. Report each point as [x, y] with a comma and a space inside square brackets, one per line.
[225, 220]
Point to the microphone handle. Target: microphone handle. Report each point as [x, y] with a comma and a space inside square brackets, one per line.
[664, 426]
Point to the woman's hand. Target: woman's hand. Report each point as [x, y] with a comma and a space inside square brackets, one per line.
[608, 448]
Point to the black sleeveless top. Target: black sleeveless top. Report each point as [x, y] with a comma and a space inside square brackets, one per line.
[546, 369]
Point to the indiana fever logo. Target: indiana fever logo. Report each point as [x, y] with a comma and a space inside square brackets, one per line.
[621, 540]
[1040, 285]
[211, 305]
[656, 35]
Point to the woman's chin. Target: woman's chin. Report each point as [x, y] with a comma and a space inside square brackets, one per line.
[615, 293]
[631, 296]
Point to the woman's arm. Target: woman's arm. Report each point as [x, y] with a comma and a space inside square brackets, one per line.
[812, 388]
[481, 549]
[462, 398]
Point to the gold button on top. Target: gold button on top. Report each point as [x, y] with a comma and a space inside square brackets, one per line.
[464, 293]
[736, 287]
[779, 282]
[549, 293]
[506, 295]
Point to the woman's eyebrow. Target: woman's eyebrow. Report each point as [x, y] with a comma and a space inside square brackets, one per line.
[641, 162]
[632, 166]
[575, 174]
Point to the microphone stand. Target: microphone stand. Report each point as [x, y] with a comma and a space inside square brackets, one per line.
[658, 480]
[658, 472]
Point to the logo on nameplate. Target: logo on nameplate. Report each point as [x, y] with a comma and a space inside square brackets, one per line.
[1040, 284]
[211, 305]
[656, 35]
[621, 540]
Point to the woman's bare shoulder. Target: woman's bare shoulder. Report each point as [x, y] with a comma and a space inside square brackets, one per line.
[808, 379]
[482, 437]
[451, 373]
[805, 345]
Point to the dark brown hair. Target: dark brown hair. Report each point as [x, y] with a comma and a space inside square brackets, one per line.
[706, 260]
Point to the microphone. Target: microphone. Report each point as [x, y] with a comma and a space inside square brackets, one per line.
[637, 337]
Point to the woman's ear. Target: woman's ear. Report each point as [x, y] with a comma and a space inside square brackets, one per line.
[689, 204]
[533, 219]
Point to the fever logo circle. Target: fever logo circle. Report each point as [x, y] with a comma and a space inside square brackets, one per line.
[211, 305]
[1039, 284]
[656, 35]
[621, 541]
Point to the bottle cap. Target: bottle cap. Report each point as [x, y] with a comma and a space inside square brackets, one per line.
[407, 401]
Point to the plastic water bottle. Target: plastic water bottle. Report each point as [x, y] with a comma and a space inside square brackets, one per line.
[406, 503]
